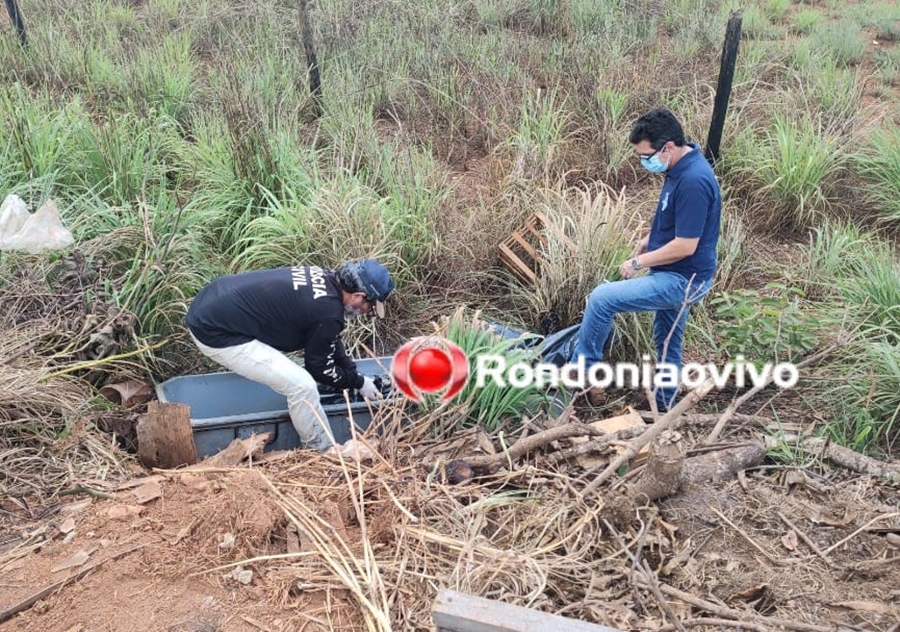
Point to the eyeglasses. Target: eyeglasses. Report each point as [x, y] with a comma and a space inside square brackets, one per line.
[649, 156]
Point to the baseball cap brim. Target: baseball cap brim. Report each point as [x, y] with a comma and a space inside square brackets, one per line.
[379, 309]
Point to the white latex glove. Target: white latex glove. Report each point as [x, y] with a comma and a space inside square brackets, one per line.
[368, 390]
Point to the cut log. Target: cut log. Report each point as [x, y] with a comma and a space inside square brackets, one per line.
[661, 476]
[457, 612]
[165, 438]
[855, 461]
[664, 474]
[722, 465]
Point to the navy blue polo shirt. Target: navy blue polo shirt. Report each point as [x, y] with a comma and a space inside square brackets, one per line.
[690, 206]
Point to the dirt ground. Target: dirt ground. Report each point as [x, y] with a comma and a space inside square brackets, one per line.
[811, 547]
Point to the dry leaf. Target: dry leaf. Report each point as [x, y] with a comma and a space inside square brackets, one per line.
[147, 492]
[353, 449]
[750, 594]
[789, 540]
[821, 517]
[124, 512]
[128, 393]
[67, 525]
[183, 533]
[137, 482]
[75, 560]
[76, 507]
[877, 607]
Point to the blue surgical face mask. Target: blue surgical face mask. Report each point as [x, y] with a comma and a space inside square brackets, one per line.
[653, 164]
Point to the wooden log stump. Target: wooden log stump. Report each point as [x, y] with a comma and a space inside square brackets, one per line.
[165, 438]
[660, 477]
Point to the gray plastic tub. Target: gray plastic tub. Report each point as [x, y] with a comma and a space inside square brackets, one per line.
[225, 406]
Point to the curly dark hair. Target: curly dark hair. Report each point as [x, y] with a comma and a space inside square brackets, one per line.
[658, 127]
[348, 276]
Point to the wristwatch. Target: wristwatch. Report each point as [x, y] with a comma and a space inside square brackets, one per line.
[636, 264]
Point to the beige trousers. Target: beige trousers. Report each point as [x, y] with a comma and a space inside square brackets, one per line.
[259, 362]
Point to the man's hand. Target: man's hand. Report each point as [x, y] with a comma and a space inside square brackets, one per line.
[368, 390]
[626, 270]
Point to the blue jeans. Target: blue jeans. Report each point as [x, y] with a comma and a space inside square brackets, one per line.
[667, 294]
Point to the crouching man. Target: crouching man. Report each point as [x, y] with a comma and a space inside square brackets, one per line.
[247, 322]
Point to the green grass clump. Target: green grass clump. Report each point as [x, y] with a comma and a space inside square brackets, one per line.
[805, 21]
[850, 273]
[757, 25]
[492, 407]
[864, 400]
[795, 167]
[584, 243]
[887, 65]
[777, 10]
[842, 42]
[879, 165]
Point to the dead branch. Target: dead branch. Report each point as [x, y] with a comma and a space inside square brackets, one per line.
[491, 462]
[855, 461]
[722, 465]
[702, 419]
[595, 445]
[806, 539]
[664, 423]
[648, 577]
[718, 623]
[751, 541]
[769, 623]
[860, 530]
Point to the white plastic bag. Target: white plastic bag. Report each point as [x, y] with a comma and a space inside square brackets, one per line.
[20, 230]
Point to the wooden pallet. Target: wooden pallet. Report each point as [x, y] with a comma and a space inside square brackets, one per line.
[520, 252]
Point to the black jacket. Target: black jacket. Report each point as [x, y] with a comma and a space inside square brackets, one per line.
[290, 309]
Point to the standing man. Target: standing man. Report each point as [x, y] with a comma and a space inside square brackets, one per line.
[247, 322]
[679, 253]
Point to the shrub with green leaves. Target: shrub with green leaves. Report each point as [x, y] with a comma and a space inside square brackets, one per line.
[765, 326]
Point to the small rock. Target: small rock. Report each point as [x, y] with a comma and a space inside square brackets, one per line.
[243, 575]
[124, 512]
[147, 492]
[76, 560]
[227, 541]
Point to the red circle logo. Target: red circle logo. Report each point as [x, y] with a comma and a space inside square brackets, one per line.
[430, 365]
